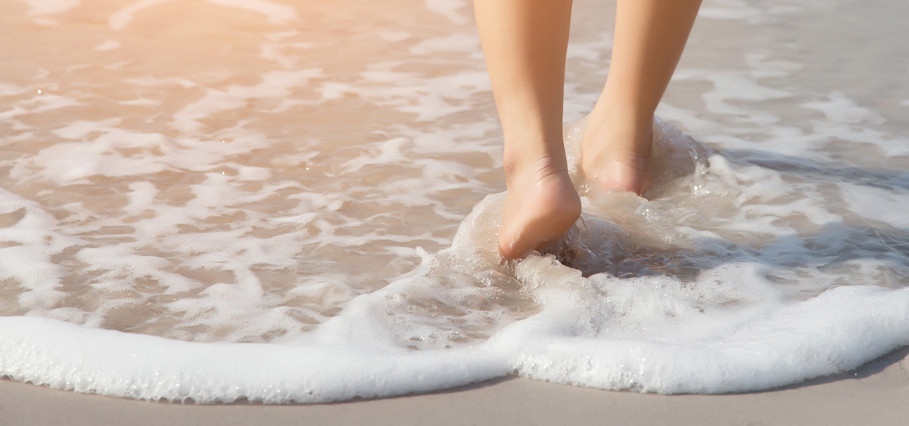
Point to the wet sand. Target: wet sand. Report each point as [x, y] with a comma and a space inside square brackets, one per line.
[874, 394]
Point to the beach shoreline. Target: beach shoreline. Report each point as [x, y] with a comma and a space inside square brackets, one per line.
[157, 188]
[873, 394]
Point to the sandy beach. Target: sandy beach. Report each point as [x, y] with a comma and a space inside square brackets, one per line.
[761, 83]
[875, 394]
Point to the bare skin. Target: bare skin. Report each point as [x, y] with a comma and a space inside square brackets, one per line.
[649, 38]
[525, 42]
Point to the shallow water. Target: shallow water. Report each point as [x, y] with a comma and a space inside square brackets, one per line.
[303, 174]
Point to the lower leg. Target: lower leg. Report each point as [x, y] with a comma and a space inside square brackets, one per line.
[649, 38]
[524, 42]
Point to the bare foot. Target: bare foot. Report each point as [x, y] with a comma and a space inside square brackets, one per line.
[615, 157]
[540, 206]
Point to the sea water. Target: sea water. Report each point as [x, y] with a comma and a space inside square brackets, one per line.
[287, 201]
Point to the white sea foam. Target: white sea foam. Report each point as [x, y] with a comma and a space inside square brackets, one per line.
[728, 330]
[884, 205]
[304, 213]
[49, 7]
[450, 9]
[277, 13]
[108, 45]
[123, 17]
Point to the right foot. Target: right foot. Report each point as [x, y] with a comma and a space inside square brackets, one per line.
[540, 206]
[615, 157]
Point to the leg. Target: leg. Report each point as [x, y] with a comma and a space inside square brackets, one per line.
[525, 42]
[649, 38]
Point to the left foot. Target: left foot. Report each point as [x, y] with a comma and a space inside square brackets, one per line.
[541, 204]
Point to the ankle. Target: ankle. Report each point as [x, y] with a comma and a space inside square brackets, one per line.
[616, 151]
[605, 143]
[542, 160]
